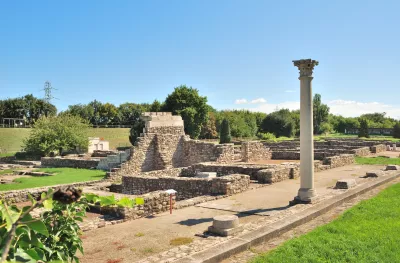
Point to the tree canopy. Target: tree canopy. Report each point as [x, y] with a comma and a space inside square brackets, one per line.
[54, 134]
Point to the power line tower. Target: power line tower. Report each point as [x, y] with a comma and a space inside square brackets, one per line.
[47, 92]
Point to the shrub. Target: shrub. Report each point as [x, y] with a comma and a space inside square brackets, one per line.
[136, 130]
[266, 136]
[225, 135]
[280, 123]
[396, 130]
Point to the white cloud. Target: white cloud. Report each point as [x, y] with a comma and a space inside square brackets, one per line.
[241, 101]
[350, 108]
[346, 108]
[290, 91]
[258, 101]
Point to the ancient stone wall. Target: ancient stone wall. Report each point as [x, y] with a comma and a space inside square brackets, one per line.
[378, 148]
[186, 187]
[7, 159]
[254, 151]
[164, 147]
[338, 161]
[69, 162]
[17, 196]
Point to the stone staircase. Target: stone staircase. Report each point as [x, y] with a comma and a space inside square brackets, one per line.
[113, 163]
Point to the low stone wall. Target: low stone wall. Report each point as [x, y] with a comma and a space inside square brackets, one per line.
[338, 161]
[378, 148]
[17, 196]
[364, 151]
[154, 203]
[186, 187]
[67, 162]
[101, 153]
[269, 176]
[7, 159]
[285, 155]
[226, 169]
[254, 151]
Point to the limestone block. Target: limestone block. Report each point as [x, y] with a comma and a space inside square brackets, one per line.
[225, 225]
[345, 184]
[392, 167]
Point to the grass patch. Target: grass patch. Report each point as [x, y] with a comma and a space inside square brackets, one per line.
[377, 160]
[11, 139]
[139, 234]
[180, 241]
[148, 250]
[368, 232]
[6, 171]
[61, 176]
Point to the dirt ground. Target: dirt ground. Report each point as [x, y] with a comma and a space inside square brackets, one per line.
[137, 239]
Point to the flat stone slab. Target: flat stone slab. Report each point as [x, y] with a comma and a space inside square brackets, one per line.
[392, 167]
[206, 175]
[345, 184]
[376, 173]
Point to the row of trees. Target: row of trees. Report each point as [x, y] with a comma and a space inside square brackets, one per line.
[28, 107]
[201, 120]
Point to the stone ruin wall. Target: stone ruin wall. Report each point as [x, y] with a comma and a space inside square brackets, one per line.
[186, 187]
[164, 145]
[255, 151]
[69, 162]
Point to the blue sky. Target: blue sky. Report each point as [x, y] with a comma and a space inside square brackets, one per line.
[232, 51]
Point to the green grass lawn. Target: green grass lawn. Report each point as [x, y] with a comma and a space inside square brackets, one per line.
[377, 160]
[62, 176]
[368, 232]
[11, 139]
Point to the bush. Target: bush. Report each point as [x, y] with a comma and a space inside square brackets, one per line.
[225, 135]
[396, 130]
[136, 130]
[280, 123]
[363, 132]
[55, 134]
[266, 136]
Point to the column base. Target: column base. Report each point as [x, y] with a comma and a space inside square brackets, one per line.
[304, 196]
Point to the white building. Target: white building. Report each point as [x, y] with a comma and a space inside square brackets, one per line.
[96, 143]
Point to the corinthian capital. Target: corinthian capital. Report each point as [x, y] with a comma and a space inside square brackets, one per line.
[306, 66]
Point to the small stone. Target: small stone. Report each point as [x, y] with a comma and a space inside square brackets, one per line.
[376, 173]
[392, 167]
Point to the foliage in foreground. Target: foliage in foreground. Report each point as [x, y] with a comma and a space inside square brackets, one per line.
[54, 134]
[53, 236]
[368, 232]
[102, 201]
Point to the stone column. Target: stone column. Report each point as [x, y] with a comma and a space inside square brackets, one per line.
[306, 192]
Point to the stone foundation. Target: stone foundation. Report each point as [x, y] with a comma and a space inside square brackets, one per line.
[378, 148]
[255, 151]
[186, 187]
[69, 162]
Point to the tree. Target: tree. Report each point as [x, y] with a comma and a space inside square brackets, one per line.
[225, 135]
[326, 128]
[187, 102]
[52, 134]
[320, 112]
[155, 106]
[209, 128]
[396, 130]
[280, 123]
[363, 132]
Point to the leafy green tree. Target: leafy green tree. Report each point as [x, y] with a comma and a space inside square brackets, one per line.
[280, 123]
[363, 132]
[326, 128]
[155, 106]
[28, 107]
[320, 112]
[396, 130]
[209, 128]
[52, 134]
[193, 108]
[225, 134]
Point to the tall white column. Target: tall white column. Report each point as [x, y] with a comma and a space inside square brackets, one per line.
[306, 192]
